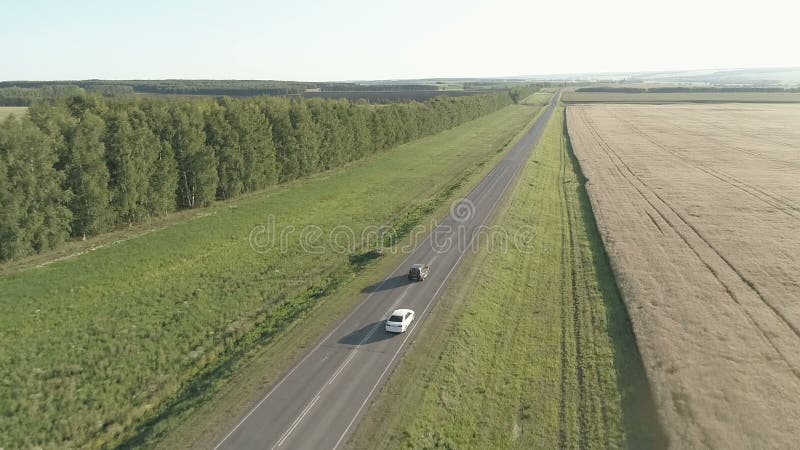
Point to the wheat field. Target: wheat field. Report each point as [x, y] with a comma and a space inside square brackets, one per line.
[699, 209]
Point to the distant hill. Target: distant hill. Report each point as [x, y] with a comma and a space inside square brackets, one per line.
[760, 77]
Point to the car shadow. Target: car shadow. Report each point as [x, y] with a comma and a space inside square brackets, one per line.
[388, 284]
[366, 335]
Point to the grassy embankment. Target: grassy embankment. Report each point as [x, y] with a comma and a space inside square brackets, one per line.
[670, 97]
[526, 349]
[106, 346]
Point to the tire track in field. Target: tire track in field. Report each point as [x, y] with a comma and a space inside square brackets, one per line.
[756, 137]
[609, 150]
[722, 176]
[777, 197]
[653, 219]
[565, 366]
[772, 199]
[746, 151]
[619, 164]
[519, 329]
[795, 329]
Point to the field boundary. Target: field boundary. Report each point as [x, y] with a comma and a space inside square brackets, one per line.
[639, 411]
[574, 405]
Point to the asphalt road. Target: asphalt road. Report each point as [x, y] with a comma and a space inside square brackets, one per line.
[319, 401]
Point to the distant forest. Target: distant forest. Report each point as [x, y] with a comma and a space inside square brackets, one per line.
[25, 93]
[84, 164]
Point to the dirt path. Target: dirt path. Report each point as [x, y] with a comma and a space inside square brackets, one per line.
[699, 209]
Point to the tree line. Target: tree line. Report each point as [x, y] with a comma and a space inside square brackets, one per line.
[25, 93]
[166, 87]
[25, 96]
[86, 164]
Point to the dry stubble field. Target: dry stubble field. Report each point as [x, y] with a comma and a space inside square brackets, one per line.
[699, 209]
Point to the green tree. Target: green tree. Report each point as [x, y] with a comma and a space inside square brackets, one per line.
[197, 166]
[162, 193]
[306, 137]
[362, 138]
[33, 212]
[345, 133]
[77, 129]
[57, 123]
[223, 139]
[131, 151]
[330, 151]
[284, 139]
[255, 143]
[87, 177]
[80, 105]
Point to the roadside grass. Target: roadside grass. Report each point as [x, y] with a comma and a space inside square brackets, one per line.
[102, 349]
[540, 98]
[671, 97]
[18, 111]
[529, 347]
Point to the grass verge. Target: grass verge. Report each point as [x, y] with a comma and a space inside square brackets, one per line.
[529, 347]
[113, 346]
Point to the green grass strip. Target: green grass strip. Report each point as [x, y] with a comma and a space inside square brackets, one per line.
[529, 347]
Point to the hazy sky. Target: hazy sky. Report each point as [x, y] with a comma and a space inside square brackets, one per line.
[361, 39]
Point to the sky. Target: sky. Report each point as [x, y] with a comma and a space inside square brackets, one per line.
[370, 40]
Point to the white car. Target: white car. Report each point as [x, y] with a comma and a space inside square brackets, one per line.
[399, 321]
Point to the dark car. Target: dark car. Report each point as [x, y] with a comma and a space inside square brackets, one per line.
[418, 272]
